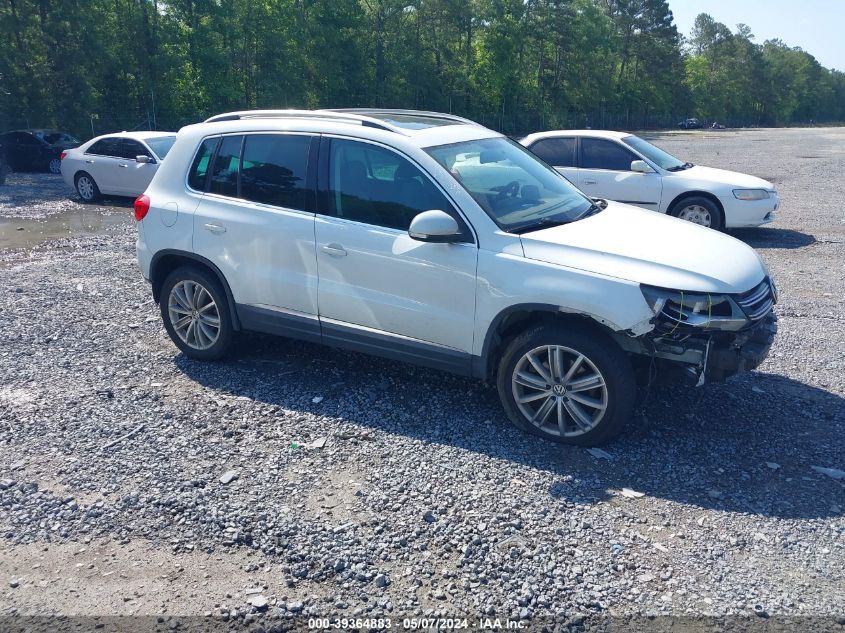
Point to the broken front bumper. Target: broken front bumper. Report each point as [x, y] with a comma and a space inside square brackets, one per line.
[717, 355]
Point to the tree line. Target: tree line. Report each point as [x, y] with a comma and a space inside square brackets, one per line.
[514, 65]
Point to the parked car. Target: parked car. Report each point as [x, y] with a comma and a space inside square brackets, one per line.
[690, 124]
[626, 168]
[38, 150]
[427, 238]
[115, 164]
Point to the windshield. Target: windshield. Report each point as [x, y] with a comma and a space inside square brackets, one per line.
[58, 137]
[517, 190]
[160, 144]
[656, 155]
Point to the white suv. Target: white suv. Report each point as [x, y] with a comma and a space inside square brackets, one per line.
[427, 238]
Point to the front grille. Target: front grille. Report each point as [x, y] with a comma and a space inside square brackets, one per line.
[757, 302]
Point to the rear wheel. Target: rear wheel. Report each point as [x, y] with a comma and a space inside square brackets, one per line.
[568, 385]
[196, 313]
[54, 166]
[699, 210]
[87, 188]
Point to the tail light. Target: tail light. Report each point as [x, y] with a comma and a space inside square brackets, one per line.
[142, 206]
[62, 155]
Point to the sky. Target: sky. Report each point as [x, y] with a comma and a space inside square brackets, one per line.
[817, 26]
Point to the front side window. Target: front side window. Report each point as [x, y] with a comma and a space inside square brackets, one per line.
[274, 168]
[557, 152]
[106, 147]
[598, 153]
[374, 185]
[132, 149]
[198, 175]
[656, 155]
[224, 172]
[518, 191]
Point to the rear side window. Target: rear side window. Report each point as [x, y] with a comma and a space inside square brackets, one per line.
[106, 147]
[557, 152]
[224, 172]
[273, 169]
[199, 169]
[597, 153]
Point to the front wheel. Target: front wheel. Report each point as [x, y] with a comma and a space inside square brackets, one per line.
[567, 384]
[699, 210]
[196, 313]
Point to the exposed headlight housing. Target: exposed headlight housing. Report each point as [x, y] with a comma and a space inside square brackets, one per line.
[677, 309]
[751, 194]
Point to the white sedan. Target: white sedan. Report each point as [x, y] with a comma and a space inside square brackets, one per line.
[115, 164]
[625, 168]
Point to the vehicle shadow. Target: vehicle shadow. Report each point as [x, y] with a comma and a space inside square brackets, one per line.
[763, 237]
[705, 448]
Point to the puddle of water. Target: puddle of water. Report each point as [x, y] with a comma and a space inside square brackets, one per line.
[85, 222]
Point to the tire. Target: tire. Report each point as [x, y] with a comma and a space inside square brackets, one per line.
[600, 359]
[699, 210]
[86, 187]
[54, 165]
[186, 293]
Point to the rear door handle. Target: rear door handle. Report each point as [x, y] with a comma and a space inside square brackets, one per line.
[335, 250]
[124, 165]
[90, 162]
[215, 228]
[589, 182]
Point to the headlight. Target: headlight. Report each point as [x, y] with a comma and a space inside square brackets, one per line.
[751, 194]
[676, 308]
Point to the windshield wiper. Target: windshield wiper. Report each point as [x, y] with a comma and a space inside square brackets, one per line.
[542, 223]
[681, 167]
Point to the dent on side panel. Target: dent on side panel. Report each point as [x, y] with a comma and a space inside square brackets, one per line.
[505, 280]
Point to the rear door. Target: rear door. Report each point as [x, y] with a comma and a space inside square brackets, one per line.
[380, 290]
[101, 162]
[256, 224]
[560, 153]
[604, 171]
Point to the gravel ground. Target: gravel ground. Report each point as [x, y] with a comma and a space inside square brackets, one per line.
[358, 487]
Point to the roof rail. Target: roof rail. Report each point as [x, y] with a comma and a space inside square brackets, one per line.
[388, 111]
[329, 115]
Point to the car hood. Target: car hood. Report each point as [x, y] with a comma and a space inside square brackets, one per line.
[699, 173]
[649, 248]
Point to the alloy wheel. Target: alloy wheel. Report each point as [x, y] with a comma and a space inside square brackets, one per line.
[55, 166]
[559, 390]
[85, 187]
[194, 314]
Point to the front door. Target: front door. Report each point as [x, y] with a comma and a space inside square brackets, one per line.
[135, 176]
[379, 288]
[605, 172]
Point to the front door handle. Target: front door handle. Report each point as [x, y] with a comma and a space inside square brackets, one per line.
[589, 182]
[90, 162]
[124, 165]
[335, 250]
[215, 228]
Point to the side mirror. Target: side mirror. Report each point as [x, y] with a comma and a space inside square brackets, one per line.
[641, 167]
[434, 226]
[144, 159]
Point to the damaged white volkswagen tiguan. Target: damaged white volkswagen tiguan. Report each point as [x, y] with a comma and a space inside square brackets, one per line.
[427, 238]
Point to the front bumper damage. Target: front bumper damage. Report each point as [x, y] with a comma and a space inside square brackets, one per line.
[713, 356]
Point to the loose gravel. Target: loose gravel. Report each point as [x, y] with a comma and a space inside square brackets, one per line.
[342, 485]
